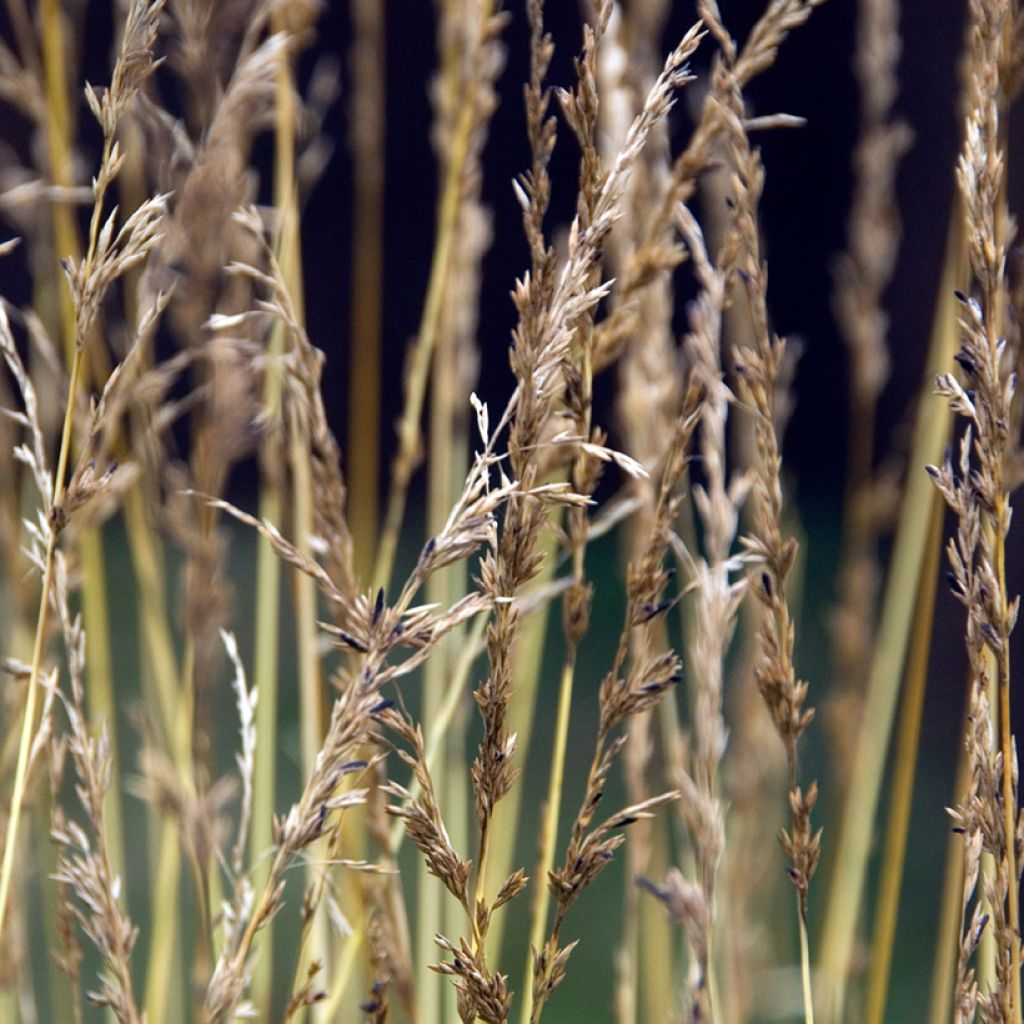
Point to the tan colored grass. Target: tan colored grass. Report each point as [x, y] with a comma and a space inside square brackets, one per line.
[184, 308]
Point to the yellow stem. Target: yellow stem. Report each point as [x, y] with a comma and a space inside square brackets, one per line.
[549, 831]
[445, 475]
[163, 975]
[805, 966]
[409, 426]
[849, 869]
[948, 931]
[265, 679]
[1009, 759]
[898, 827]
[28, 723]
[66, 243]
[367, 274]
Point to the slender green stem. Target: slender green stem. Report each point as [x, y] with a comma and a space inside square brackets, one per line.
[162, 692]
[163, 974]
[447, 470]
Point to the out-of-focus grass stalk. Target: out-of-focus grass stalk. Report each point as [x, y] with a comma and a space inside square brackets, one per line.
[58, 149]
[288, 250]
[163, 999]
[446, 471]
[163, 974]
[448, 465]
[657, 989]
[96, 620]
[887, 897]
[457, 809]
[343, 971]
[431, 912]
[67, 243]
[368, 169]
[28, 722]
[549, 829]
[947, 933]
[265, 671]
[367, 145]
[931, 430]
[423, 349]
[182, 742]
[311, 699]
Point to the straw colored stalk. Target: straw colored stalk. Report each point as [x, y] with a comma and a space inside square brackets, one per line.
[299, 414]
[716, 600]
[109, 254]
[453, 376]
[862, 274]
[648, 399]
[58, 127]
[84, 869]
[581, 108]
[368, 169]
[461, 79]
[489, 27]
[638, 678]
[83, 863]
[974, 487]
[758, 370]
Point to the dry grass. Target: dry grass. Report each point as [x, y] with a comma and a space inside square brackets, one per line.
[164, 355]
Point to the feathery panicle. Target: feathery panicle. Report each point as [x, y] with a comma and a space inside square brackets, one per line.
[974, 487]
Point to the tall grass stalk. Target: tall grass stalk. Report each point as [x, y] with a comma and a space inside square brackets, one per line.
[433, 307]
[289, 257]
[901, 793]
[28, 725]
[850, 861]
[368, 83]
[67, 243]
[947, 933]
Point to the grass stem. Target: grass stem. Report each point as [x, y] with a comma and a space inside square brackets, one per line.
[28, 722]
[549, 830]
[367, 140]
[426, 337]
[849, 869]
[902, 788]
